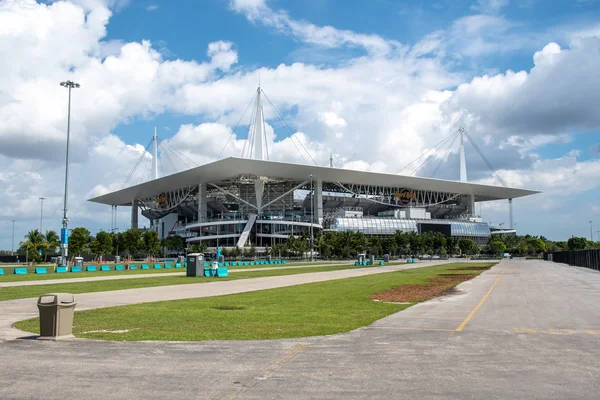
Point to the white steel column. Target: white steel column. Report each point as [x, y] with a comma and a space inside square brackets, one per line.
[258, 129]
[202, 212]
[510, 214]
[134, 214]
[463, 161]
[154, 155]
[318, 201]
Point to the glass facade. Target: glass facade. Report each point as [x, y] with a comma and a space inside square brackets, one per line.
[477, 231]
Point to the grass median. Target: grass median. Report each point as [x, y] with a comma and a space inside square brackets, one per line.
[305, 310]
[31, 276]
[23, 292]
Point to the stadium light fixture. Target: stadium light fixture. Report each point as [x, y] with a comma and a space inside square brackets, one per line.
[64, 233]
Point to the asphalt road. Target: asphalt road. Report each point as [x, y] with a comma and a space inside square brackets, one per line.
[524, 329]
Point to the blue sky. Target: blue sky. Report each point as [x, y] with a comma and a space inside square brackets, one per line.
[388, 76]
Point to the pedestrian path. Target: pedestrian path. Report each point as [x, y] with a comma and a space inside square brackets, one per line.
[12, 311]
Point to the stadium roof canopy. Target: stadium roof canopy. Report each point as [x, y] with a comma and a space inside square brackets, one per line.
[230, 168]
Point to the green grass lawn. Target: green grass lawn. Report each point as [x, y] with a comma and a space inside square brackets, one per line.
[305, 310]
[23, 292]
[31, 276]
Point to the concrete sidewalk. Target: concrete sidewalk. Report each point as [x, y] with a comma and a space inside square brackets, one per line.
[12, 311]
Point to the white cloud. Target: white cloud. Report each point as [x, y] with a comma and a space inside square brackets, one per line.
[490, 6]
[257, 11]
[152, 7]
[379, 111]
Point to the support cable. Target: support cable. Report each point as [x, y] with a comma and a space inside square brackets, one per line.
[286, 124]
[434, 149]
[178, 153]
[488, 164]
[453, 137]
[236, 126]
[443, 159]
[136, 165]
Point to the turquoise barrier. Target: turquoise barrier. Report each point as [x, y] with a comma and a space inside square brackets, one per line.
[75, 269]
[178, 265]
[133, 266]
[1, 271]
[168, 266]
[145, 266]
[119, 267]
[90, 268]
[61, 270]
[222, 272]
[41, 271]
[20, 271]
[157, 266]
[104, 268]
[207, 271]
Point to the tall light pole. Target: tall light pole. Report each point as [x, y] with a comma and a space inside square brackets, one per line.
[64, 232]
[42, 214]
[591, 232]
[13, 239]
[312, 218]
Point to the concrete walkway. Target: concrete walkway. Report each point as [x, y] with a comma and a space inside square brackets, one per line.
[151, 275]
[12, 311]
[532, 332]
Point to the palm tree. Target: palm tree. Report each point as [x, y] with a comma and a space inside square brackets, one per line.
[34, 242]
[52, 241]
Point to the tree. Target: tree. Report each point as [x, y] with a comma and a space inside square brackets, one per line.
[132, 242]
[102, 245]
[467, 246]
[535, 245]
[576, 243]
[34, 245]
[79, 241]
[497, 248]
[151, 242]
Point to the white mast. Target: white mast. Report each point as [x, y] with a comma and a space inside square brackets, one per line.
[258, 129]
[463, 161]
[154, 155]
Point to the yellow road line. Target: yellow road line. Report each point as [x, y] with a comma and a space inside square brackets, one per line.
[472, 313]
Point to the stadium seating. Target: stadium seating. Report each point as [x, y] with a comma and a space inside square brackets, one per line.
[41, 271]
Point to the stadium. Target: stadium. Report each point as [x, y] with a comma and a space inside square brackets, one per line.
[254, 201]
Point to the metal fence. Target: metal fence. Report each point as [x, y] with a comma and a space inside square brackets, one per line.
[580, 258]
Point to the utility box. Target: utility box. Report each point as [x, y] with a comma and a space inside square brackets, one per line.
[56, 315]
[117, 259]
[195, 264]
[386, 258]
[78, 261]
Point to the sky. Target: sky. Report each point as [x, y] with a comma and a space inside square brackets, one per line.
[376, 83]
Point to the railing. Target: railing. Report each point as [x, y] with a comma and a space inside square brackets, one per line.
[579, 258]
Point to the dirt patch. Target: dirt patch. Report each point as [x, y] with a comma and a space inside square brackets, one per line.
[440, 285]
[470, 269]
[229, 308]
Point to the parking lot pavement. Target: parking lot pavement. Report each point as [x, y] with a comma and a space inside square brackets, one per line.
[520, 330]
